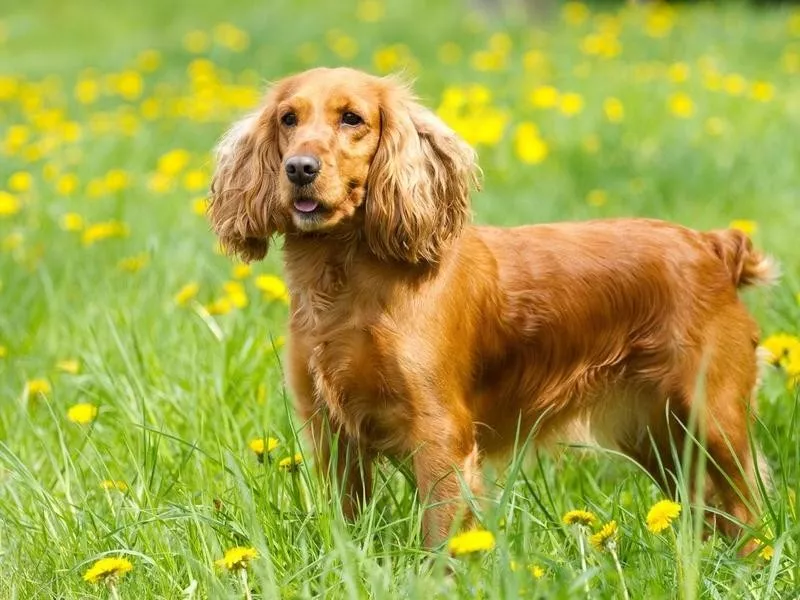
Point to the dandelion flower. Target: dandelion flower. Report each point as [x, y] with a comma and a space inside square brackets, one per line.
[544, 96]
[290, 463]
[370, 11]
[530, 148]
[606, 536]
[103, 231]
[571, 104]
[263, 446]
[744, 225]
[767, 551]
[71, 222]
[38, 386]
[196, 41]
[662, 514]
[82, 413]
[237, 558]
[681, 105]
[186, 293]
[107, 570]
[220, 306]
[9, 205]
[133, 264]
[476, 540]
[199, 206]
[3, 351]
[114, 484]
[780, 346]
[273, 287]
[614, 110]
[578, 517]
[69, 365]
[21, 181]
[242, 271]
[536, 571]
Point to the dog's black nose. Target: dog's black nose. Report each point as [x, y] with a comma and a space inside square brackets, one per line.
[302, 169]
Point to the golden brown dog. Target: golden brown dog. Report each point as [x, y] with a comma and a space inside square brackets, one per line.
[414, 333]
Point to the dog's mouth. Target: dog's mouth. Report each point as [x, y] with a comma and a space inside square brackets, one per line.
[307, 207]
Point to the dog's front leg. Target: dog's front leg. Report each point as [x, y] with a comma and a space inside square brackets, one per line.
[439, 466]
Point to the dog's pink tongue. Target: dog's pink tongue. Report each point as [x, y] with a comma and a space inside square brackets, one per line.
[305, 205]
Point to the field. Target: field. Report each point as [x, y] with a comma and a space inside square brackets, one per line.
[137, 364]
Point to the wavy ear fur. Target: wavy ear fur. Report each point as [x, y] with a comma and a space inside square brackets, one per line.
[244, 188]
[419, 182]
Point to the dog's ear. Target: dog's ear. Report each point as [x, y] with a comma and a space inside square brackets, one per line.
[244, 187]
[419, 181]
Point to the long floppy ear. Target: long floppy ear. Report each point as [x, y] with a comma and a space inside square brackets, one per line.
[419, 182]
[244, 188]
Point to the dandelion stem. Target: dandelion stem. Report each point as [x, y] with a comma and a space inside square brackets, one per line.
[612, 548]
[678, 562]
[245, 584]
[582, 546]
[113, 590]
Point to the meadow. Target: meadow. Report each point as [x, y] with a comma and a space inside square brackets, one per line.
[143, 414]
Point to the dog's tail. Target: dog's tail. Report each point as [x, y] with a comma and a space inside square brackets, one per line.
[746, 265]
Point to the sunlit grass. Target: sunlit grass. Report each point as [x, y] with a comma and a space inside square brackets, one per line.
[138, 366]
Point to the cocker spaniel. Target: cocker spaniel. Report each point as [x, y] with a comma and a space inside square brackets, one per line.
[415, 333]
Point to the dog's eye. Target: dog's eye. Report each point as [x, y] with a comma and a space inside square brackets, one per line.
[289, 119]
[352, 119]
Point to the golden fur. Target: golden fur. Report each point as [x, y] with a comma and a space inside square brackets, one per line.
[416, 334]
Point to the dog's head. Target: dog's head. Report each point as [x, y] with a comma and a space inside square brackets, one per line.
[337, 150]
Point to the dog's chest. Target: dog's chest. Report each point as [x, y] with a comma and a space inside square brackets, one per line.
[352, 377]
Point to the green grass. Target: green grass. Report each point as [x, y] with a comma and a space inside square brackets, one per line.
[181, 392]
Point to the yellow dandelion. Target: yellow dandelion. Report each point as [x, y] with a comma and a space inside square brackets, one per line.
[681, 105]
[116, 180]
[3, 351]
[82, 413]
[280, 341]
[199, 206]
[21, 181]
[186, 293]
[734, 84]
[780, 346]
[766, 552]
[536, 571]
[195, 180]
[370, 11]
[476, 540]
[614, 110]
[69, 365]
[220, 306]
[273, 287]
[262, 446]
[744, 225]
[571, 104]
[290, 463]
[762, 91]
[38, 386]
[578, 517]
[662, 514]
[235, 293]
[242, 271]
[196, 41]
[530, 148]
[237, 558]
[678, 72]
[9, 205]
[114, 484]
[574, 13]
[174, 161]
[108, 570]
[148, 60]
[103, 231]
[71, 222]
[129, 85]
[67, 184]
[231, 37]
[544, 96]
[342, 45]
[133, 264]
[660, 21]
[606, 536]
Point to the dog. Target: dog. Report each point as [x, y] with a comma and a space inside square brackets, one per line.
[417, 334]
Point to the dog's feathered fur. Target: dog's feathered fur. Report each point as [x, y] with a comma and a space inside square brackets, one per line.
[415, 333]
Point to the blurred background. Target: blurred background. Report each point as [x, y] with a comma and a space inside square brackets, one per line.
[138, 365]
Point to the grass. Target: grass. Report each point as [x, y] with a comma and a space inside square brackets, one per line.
[181, 391]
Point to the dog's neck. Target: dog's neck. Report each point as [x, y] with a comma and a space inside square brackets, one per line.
[326, 270]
